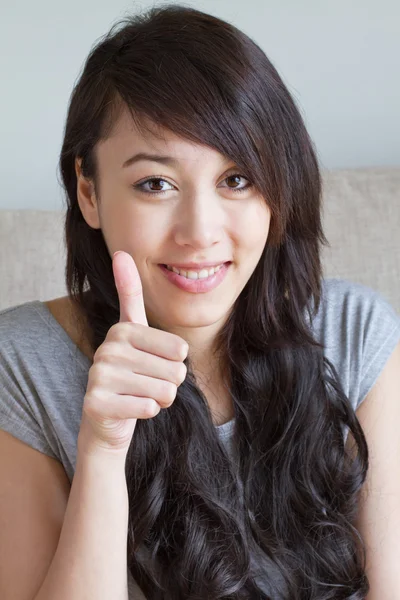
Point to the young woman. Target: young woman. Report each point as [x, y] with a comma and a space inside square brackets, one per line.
[182, 425]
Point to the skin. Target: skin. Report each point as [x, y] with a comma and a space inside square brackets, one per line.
[199, 218]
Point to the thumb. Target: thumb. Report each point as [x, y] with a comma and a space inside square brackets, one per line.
[129, 288]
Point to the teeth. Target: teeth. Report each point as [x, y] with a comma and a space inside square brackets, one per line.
[202, 274]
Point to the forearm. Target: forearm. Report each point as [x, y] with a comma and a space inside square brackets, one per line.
[91, 557]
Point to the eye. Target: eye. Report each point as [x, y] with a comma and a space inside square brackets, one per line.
[237, 176]
[158, 180]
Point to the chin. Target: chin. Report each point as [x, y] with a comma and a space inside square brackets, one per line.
[190, 317]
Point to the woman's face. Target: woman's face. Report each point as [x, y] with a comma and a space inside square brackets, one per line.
[198, 218]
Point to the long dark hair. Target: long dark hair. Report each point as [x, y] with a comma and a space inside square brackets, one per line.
[205, 80]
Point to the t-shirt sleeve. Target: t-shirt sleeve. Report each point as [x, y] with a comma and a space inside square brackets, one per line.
[20, 413]
[379, 336]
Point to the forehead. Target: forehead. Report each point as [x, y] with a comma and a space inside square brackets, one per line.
[126, 139]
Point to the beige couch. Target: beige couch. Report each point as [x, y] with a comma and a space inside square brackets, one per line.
[361, 220]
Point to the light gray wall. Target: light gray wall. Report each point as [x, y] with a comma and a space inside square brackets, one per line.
[340, 60]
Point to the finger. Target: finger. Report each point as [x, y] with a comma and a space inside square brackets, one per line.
[129, 288]
[153, 341]
[147, 364]
[135, 384]
[128, 407]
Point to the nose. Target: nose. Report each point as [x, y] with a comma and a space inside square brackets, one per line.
[200, 221]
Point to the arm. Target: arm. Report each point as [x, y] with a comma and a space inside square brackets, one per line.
[379, 515]
[91, 557]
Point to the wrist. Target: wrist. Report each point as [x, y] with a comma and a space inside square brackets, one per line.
[90, 445]
[100, 469]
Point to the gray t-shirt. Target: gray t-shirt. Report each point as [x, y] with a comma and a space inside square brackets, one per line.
[43, 374]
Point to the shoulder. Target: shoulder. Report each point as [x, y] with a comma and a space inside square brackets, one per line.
[43, 378]
[22, 327]
[354, 300]
[359, 330]
[40, 332]
[22, 376]
[28, 334]
[32, 346]
[355, 310]
[378, 518]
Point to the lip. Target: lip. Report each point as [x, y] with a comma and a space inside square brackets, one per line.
[197, 266]
[196, 286]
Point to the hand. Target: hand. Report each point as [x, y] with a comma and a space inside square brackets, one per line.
[136, 370]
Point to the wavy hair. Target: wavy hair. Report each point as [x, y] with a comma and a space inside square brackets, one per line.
[196, 517]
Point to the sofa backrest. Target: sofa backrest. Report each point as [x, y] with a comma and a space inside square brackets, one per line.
[361, 218]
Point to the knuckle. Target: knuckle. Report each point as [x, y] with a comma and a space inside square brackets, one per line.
[98, 354]
[102, 354]
[176, 344]
[106, 351]
[101, 375]
[119, 331]
[182, 348]
[180, 373]
[115, 331]
[109, 351]
[150, 408]
[169, 391]
[92, 405]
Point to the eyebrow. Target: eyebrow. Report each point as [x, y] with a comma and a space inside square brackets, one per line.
[165, 160]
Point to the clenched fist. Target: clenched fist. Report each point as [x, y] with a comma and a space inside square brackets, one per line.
[136, 370]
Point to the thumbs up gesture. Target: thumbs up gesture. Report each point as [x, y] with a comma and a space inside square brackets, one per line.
[135, 372]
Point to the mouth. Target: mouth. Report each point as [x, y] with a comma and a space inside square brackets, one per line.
[196, 280]
[193, 272]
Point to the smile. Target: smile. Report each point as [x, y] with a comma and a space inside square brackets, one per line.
[195, 273]
[196, 282]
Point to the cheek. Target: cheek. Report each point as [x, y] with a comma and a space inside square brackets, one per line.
[251, 228]
[130, 228]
